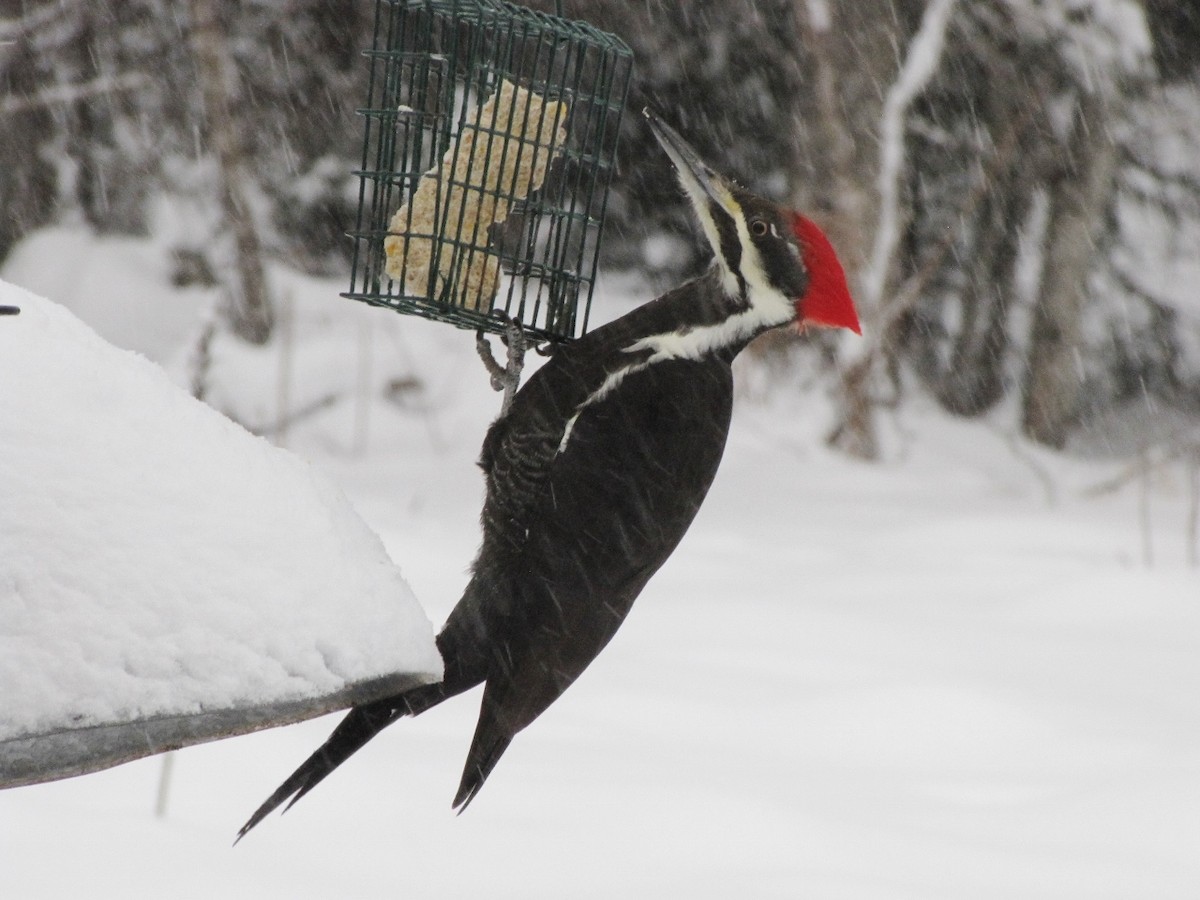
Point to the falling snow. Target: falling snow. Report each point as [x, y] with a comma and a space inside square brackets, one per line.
[953, 674]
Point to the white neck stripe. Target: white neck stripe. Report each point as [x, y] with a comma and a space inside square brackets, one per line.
[692, 344]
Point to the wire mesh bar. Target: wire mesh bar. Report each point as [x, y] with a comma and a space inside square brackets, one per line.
[489, 140]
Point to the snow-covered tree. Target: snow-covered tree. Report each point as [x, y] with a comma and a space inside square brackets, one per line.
[1012, 184]
[102, 110]
[1021, 158]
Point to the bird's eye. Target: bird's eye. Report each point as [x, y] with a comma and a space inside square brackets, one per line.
[759, 227]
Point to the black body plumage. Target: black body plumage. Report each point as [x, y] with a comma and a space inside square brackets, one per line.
[588, 493]
[593, 476]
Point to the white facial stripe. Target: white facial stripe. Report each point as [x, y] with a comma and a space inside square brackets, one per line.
[704, 214]
[759, 291]
[699, 198]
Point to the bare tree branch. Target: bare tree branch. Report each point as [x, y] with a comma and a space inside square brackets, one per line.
[920, 64]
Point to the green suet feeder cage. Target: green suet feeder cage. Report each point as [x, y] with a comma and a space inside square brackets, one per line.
[490, 137]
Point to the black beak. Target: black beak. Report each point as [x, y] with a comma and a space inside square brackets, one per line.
[700, 182]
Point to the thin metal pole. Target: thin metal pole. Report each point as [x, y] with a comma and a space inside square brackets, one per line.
[164, 784]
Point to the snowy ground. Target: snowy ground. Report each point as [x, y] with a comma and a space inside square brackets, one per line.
[949, 675]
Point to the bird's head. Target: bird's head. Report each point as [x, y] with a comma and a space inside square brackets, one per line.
[770, 258]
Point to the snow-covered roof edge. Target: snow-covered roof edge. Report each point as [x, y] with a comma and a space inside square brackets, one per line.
[80, 751]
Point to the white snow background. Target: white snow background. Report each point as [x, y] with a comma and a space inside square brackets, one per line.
[957, 673]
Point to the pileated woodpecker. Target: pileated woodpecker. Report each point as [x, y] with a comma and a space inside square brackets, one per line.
[598, 468]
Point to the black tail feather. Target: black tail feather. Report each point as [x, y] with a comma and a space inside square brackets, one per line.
[480, 762]
[360, 725]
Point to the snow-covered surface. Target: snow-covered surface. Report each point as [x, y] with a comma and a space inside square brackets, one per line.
[160, 562]
[959, 673]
